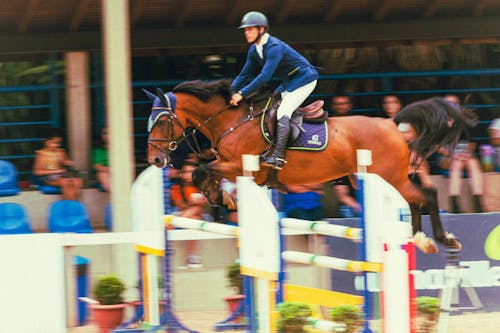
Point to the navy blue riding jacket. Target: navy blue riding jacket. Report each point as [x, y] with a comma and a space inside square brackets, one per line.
[279, 60]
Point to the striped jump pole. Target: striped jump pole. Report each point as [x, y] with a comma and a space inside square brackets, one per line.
[323, 228]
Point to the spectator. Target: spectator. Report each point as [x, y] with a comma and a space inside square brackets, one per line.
[464, 158]
[391, 105]
[340, 105]
[494, 133]
[100, 161]
[304, 202]
[52, 166]
[345, 193]
[191, 204]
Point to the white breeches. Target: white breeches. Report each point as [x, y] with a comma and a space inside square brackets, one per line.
[291, 100]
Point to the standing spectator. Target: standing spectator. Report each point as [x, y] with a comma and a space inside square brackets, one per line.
[191, 204]
[391, 105]
[340, 105]
[52, 166]
[100, 161]
[494, 133]
[345, 193]
[464, 158]
[304, 202]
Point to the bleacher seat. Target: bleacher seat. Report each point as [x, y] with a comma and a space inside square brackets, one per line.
[8, 179]
[68, 216]
[45, 189]
[14, 219]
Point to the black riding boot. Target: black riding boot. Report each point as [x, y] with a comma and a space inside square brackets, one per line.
[476, 202]
[276, 160]
[455, 209]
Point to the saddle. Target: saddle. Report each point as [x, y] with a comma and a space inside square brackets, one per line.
[312, 113]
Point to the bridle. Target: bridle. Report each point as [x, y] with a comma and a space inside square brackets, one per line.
[187, 132]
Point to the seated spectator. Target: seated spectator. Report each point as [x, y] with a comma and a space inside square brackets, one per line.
[464, 158]
[100, 161]
[391, 105]
[345, 193]
[340, 105]
[52, 167]
[190, 203]
[304, 202]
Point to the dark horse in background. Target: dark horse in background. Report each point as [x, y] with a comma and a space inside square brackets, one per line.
[233, 131]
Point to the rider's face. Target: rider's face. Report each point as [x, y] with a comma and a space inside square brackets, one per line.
[252, 34]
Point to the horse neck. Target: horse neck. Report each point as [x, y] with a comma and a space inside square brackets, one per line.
[213, 119]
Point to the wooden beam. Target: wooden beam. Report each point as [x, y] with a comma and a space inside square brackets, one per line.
[228, 38]
[283, 11]
[234, 12]
[480, 6]
[136, 10]
[183, 13]
[382, 9]
[431, 8]
[78, 14]
[334, 10]
[25, 20]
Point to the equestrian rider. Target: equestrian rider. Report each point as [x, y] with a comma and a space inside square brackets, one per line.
[267, 57]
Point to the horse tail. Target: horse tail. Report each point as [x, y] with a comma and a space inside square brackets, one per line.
[437, 123]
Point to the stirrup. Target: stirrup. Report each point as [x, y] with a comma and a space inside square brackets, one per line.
[278, 164]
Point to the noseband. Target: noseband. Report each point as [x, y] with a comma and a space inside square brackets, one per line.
[172, 121]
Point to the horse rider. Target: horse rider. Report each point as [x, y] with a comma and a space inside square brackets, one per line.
[267, 57]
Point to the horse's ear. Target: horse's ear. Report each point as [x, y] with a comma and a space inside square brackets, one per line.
[161, 95]
[150, 95]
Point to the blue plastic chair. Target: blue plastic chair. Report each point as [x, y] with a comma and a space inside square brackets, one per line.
[45, 189]
[8, 179]
[68, 216]
[14, 219]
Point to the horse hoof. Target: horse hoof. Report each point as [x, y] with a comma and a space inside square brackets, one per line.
[425, 244]
[451, 241]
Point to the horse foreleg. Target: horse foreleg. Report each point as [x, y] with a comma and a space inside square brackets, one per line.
[440, 235]
[421, 241]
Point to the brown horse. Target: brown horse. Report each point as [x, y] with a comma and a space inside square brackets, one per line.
[234, 131]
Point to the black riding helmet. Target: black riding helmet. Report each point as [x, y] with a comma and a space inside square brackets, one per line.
[254, 19]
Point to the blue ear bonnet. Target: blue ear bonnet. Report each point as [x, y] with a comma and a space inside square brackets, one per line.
[159, 109]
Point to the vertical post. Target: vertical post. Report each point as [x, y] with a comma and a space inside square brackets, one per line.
[118, 102]
[78, 107]
[116, 39]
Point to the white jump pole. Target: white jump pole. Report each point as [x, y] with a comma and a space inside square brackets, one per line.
[259, 237]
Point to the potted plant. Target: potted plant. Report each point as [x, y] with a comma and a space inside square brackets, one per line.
[428, 309]
[293, 316]
[235, 282]
[109, 311]
[350, 315]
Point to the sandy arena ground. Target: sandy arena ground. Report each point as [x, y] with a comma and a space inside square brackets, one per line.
[203, 322]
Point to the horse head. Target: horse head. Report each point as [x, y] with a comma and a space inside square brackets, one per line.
[165, 130]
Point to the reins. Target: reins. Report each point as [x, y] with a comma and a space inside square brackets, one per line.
[173, 120]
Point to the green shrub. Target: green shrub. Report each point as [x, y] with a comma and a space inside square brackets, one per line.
[349, 315]
[234, 277]
[427, 305]
[109, 289]
[293, 316]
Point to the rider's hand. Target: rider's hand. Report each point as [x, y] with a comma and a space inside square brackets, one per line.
[235, 99]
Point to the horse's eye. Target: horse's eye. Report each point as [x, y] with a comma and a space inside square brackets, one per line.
[161, 122]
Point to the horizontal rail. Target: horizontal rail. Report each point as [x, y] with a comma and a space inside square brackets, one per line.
[323, 228]
[331, 262]
[188, 223]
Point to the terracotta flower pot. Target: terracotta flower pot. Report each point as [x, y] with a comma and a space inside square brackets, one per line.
[233, 303]
[108, 317]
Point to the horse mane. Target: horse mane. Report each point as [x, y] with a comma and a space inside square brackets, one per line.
[204, 90]
[437, 123]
